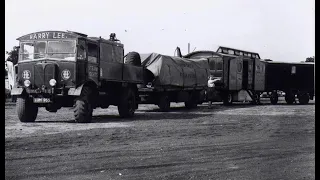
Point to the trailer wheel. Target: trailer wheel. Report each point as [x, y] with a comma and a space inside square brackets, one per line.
[82, 107]
[133, 58]
[227, 100]
[127, 105]
[274, 97]
[26, 109]
[290, 98]
[191, 102]
[164, 103]
[303, 98]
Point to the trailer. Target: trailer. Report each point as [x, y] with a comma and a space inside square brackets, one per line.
[236, 70]
[295, 79]
[173, 79]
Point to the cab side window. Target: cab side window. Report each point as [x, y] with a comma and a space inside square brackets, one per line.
[81, 50]
[92, 52]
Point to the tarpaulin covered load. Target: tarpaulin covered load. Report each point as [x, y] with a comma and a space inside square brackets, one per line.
[176, 71]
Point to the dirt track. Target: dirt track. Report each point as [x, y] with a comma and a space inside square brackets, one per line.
[238, 142]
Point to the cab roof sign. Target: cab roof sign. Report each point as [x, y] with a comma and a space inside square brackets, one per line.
[46, 35]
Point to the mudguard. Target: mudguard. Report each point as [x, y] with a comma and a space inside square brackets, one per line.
[16, 91]
[75, 91]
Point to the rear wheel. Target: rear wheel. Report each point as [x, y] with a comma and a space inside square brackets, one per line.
[303, 98]
[191, 102]
[274, 97]
[256, 99]
[290, 98]
[127, 105]
[26, 109]
[164, 103]
[227, 100]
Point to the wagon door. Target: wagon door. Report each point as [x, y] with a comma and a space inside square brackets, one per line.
[259, 75]
[235, 73]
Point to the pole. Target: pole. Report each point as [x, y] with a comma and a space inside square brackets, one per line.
[188, 48]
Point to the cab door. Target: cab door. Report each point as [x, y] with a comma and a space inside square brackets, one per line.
[93, 61]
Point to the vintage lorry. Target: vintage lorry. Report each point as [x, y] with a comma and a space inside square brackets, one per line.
[173, 79]
[69, 69]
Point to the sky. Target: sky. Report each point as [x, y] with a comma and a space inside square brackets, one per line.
[281, 30]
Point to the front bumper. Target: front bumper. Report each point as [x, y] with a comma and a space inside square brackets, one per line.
[48, 91]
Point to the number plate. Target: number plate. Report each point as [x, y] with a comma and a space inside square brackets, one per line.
[41, 100]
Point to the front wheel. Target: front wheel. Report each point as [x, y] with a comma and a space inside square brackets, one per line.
[83, 106]
[127, 105]
[82, 111]
[26, 109]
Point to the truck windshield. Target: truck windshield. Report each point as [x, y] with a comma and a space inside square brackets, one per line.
[48, 49]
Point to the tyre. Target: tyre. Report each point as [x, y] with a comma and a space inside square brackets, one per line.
[274, 98]
[82, 111]
[133, 58]
[192, 102]
[258, 98]
[290, 98]
[227, 100]
[83, 106]
[164, 103]
[127, 105]
[303, 98]
[26, 109]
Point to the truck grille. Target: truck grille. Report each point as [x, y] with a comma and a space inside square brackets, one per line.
[49, 74]
[43, 73]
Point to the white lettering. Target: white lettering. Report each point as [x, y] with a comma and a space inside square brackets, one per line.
[46, 35]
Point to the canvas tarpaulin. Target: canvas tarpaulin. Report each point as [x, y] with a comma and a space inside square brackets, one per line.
[176, 71]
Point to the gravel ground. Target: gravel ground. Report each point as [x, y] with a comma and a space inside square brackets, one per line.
[237, 142]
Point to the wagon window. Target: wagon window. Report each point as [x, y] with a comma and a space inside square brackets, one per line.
[293, 70]
[230, 51]
[219, 64]
[225, 51]
[212, 64]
